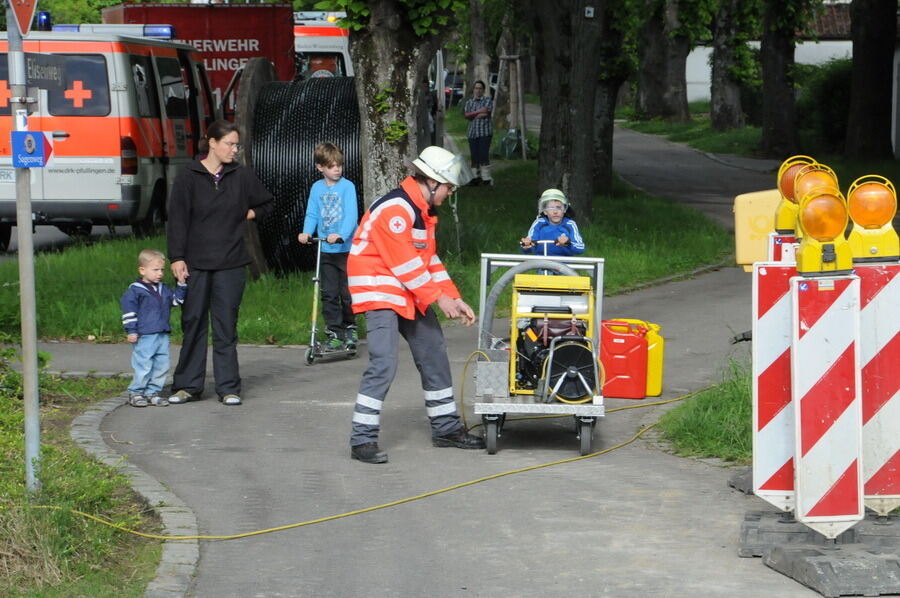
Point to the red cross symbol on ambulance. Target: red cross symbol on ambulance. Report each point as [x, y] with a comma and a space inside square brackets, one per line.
[5, 93]
[78, 94]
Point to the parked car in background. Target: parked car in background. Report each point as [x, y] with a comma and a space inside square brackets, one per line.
[453, 88]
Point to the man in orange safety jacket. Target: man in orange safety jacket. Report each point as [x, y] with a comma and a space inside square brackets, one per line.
[395, 275]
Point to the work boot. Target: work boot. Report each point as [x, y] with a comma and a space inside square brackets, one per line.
[459, 439]
[368, 453]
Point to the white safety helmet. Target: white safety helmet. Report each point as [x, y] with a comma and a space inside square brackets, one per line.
[552, 195]
[442, 166]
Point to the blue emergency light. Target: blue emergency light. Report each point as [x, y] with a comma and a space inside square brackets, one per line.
[43, 22]
[157, 31]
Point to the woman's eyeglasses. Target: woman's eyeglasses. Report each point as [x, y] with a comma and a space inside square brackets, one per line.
[234, 146]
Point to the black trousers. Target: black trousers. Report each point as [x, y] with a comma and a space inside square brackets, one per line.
[479, 148]
[211, 295]
[336, 303]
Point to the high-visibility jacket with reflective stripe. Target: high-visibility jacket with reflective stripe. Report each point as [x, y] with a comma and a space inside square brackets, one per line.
[393, 262]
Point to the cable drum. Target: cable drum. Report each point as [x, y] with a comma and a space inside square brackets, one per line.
[289, 120]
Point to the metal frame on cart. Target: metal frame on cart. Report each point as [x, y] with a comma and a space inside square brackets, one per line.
[493, 412]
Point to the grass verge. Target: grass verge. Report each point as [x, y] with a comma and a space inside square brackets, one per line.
[49, 553]
[698, 133]
[641, 237]
[715, 423]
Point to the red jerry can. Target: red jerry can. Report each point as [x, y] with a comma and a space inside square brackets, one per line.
[623, 356]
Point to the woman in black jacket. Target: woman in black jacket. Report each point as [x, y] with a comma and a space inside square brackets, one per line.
[211, 201]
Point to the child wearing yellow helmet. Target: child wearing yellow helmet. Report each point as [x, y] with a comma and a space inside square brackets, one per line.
[554, 226]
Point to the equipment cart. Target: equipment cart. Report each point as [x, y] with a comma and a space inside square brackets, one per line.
[549, 362]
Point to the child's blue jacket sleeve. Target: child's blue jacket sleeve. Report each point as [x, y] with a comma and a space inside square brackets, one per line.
[351, 213]
[130, 307]
[311, 219]
[533, 234]
[576, 242]
[176, 297]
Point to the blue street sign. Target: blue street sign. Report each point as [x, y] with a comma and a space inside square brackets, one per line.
[30, 149]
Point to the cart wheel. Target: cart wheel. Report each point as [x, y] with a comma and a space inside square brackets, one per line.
[586, 433]
[310, 356]
[490, 436]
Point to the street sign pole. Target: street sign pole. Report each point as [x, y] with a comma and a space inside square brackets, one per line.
[18, 103]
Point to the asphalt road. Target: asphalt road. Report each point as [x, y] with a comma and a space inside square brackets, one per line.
[636, 522]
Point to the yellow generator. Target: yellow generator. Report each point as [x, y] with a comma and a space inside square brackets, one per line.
[552, 354]
[546, 360]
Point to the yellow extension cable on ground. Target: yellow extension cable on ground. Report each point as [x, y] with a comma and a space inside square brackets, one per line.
[401, 501]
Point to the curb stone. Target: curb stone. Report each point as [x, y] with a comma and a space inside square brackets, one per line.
[178, 562]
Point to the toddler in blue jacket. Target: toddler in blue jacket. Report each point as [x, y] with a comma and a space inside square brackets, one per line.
[553, 224]
[146, 306]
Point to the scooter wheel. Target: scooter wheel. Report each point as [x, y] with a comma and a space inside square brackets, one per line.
[310, 356]
[351, 353]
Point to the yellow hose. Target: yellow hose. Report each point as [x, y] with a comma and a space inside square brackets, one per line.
[401, 501]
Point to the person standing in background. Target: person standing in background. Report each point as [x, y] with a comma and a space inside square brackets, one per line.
[478, 111]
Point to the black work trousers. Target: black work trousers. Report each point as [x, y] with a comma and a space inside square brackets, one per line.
[336, 303]
[211, 295]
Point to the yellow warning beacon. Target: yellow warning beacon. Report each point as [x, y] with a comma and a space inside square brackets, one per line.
[811, 177]
[823, 218]
[872, 203]
[786, 213]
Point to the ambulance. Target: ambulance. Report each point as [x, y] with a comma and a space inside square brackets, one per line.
[125, 115]
[322, 48]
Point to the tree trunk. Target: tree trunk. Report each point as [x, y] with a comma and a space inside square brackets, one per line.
[480, 61]
[662, 82]
[874, 31]
[725, 93]
[604, 116]
[614, 73]
[500, 114]
[779, 130]
[391, 62]
[566, 46]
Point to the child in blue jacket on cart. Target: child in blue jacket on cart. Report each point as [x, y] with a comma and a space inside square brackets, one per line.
[554, 226]
[146, 306]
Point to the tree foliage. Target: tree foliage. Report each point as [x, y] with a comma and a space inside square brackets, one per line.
[427, 17]
[392, 42]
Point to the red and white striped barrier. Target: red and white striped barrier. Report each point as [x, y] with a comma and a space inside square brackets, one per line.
[782, 248]
[880, 365]
[773, 410]
[826, 392]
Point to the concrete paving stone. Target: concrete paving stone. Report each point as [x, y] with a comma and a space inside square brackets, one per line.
[183, 521]
[175, 571]
[186, 552]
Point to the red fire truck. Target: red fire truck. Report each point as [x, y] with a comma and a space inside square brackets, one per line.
[225, 35]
